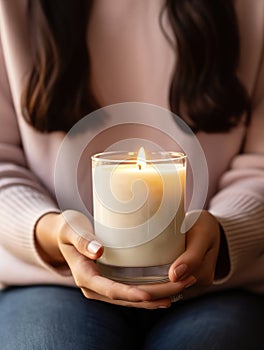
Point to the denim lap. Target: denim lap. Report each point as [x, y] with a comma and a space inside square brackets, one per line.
[56, 318]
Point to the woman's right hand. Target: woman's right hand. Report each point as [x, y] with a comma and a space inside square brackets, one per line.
[68, 239]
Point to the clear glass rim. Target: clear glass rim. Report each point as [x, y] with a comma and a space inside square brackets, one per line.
[131, 157]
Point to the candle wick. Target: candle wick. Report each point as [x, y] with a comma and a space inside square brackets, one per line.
[139, 166]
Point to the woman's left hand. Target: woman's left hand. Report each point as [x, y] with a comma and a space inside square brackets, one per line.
[197, 263]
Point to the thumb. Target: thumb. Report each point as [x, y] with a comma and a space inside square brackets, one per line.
[191, 260]
[184, 267]
[202, 237]
[77, 230]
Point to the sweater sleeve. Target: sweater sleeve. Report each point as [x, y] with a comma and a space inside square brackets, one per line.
[239, 204]
[23, 200]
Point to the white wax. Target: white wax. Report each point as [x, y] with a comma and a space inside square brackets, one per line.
[138, 213]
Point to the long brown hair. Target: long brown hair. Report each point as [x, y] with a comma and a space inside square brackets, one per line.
[58, 94]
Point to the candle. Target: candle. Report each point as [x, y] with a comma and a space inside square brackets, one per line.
[138, 212]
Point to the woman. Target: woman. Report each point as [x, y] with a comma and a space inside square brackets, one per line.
[48, 83]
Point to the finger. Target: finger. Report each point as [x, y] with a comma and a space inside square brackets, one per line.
[189, 261]
[151, 305]
[113, 290]
[204, 270]
[200, 240]
[165, 290]
[76, 229]
[116, 291]
[92, 249]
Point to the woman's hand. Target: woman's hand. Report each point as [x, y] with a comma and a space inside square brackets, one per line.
[196, 265]
[68, 239]
[200, 256]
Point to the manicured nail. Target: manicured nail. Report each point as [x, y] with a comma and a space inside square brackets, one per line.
[180, 270]
[191, 283]
[94, 246]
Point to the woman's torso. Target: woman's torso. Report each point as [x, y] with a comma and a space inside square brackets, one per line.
[131, 61]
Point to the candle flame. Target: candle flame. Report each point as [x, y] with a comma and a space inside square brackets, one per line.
[141, 158]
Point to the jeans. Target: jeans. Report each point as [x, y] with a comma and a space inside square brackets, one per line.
[56, 318]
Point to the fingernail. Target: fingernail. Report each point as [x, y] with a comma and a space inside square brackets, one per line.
[180, 270]
[94, 246]
[191, 283]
